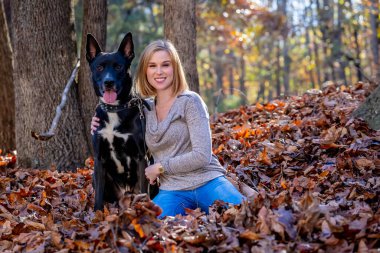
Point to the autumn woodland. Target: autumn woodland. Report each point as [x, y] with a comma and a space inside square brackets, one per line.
[293, 93]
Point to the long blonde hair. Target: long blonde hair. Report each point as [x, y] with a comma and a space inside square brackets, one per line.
[144, 88]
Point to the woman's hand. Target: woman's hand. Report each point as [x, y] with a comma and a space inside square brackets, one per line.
[94, 124]
[152, 172]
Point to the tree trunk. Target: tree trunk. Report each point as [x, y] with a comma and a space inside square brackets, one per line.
[325, 16]
[315, 49]
[282, 5]
[243, 90]
[278, 69]
[369, 110]
[7, 113]
[231, 79]
[180, 29]
[44, 56]
[287, 61]
[356, 60]
[309, 43]
[374, 13]
[310, 53]
[7, 10]
[94, 22]
[337, 45]
[219, 72]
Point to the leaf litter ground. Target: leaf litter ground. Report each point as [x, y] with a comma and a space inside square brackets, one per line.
[316, 172]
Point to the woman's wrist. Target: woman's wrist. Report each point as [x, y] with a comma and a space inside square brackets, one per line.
[161, 169]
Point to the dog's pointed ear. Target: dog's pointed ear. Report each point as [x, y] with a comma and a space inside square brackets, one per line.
[126, 47]
[92, 48]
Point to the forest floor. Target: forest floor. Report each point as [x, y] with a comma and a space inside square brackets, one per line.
[316, 171]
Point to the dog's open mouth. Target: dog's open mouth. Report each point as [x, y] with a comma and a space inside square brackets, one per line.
[109, 96]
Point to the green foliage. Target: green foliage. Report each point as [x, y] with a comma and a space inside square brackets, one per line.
[144, 19]
[228, 103]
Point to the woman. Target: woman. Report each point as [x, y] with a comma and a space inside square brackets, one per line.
[178, 136]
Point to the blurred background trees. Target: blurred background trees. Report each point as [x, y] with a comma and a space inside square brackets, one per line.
[235, 52]
[252, 51]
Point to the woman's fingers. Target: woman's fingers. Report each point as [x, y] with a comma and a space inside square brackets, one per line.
[94, 124]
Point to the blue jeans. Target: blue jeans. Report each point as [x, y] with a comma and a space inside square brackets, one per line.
[175, 202]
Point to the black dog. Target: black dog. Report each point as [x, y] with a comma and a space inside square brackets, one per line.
[119, 147]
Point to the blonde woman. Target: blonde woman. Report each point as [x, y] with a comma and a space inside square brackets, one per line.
[178, 136]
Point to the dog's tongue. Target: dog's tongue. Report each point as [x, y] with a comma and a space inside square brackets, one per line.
[110, 96]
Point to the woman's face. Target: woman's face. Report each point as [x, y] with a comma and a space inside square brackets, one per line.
[160, 71]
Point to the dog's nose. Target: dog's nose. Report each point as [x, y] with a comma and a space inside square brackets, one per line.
[109, 84]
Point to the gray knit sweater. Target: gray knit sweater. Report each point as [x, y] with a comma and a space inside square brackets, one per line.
[182, 143]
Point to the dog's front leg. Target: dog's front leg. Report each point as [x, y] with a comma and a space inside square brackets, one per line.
[99, 174]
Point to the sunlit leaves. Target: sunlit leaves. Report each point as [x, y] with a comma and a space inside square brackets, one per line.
[316, 172]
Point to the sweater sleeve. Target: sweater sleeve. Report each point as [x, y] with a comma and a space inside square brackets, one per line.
[197, 120]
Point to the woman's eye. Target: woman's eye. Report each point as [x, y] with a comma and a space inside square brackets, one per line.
[100, 68]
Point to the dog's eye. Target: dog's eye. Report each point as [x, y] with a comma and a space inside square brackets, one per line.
[99, 68]
[118, 67]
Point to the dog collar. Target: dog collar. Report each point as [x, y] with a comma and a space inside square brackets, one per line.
[134, 101]
[112, 108]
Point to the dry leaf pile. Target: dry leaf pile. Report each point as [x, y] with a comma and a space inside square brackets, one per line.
[316, 170]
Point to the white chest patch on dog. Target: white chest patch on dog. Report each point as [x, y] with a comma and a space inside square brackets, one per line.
[109, 133]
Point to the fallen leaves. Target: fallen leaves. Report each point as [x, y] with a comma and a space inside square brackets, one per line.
[316, 172]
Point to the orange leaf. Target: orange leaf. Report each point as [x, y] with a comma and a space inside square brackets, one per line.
[89, 163]
[138, 228]
[259, 106]
[36, 208]
[252, 236]
[264, 158]
[283, 184]
[219, 149]
[331, 145]
[270, 107]
[43, 198]
[324, 173]
[297, 122]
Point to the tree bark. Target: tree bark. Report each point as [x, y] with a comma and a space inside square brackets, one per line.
[325, 18]
[243, 89]
[310, 53]
[310, 44]
[282, 5]
[278, 69]
[7, 113]
[180, 29]
[356, 60]
[94, 22]
[7, 10]
[337, 45]
[370, 110]
[219, 72]
[374, 13]
[44, 56]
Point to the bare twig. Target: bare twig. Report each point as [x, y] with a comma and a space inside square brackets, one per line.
[49, 134]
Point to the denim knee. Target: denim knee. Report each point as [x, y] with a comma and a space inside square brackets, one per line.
[219, 189]
[172, 203]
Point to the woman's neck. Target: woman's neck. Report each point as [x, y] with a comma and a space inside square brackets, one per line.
[164, 97]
